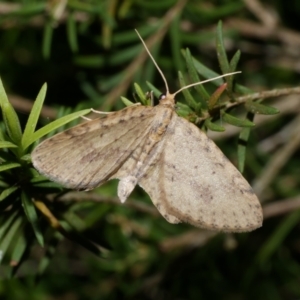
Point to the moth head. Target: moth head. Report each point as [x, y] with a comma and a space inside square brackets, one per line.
[168, 98]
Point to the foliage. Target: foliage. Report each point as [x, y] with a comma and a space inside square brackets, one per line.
[67, 243]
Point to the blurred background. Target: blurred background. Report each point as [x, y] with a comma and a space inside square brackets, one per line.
[90, 56]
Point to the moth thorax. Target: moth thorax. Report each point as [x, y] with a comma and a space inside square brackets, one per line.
[167, 100]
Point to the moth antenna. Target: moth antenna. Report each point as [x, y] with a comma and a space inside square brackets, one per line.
[204, 81]
[156, 65]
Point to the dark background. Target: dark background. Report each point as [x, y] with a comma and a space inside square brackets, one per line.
[83, 55]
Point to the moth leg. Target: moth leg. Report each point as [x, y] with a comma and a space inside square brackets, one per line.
[135, 104]
[86, 118]
[102, 112]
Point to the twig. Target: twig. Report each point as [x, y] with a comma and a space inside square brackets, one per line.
[269, 20]
[277, 161]
[286, 105]
[281, 207]
[254, 29]
[192, 239]
[279, 138]
[270, 210]
[260, 95]
[7, 8]
[128, 225]
[265, 95]
[84, 196]
[25, 105]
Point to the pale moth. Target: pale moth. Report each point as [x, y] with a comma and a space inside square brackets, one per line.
[186, 175]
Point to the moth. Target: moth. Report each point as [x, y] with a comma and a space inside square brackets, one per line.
[186, 175]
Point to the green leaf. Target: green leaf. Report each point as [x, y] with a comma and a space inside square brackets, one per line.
[90, 61]
[5, 193]
[141, 94]
[32, 217]
[184, 110]
[7, 223]
[232, 66]
[6, 144]
[213, 126]
[207, 73]
[75, 220]
[127, 54]
[157, 92]
[187, 95]
[277, 237]
[9, 236]
[34, 115]
[223, 60]
[242, 148]
[8, 165]
[47, 38]
[234, 61]
[126, 101]
[242, 89]
[72, 32]
[50, 251]
[19, 248]
[54, 125]
[221, 52]
[242, 144]
[26, 157]
[194, 75]
[258, 108]
[3, 96]
[236, 121]
[12, 123]
[124, 37]
[41, 181]
[29, 9]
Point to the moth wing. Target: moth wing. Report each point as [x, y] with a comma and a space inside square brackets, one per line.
[194, 182]
[87, 155]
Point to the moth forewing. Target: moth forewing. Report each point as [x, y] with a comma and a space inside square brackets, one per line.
[185, 174]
